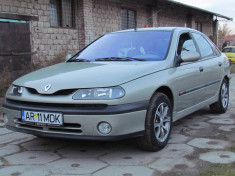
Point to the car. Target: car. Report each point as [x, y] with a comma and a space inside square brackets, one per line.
[229, 51]
[127, 84]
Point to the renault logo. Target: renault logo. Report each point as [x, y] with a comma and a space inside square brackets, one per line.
[47, 87]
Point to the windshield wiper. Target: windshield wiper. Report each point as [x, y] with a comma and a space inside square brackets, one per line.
[78, 60]
[119, 59]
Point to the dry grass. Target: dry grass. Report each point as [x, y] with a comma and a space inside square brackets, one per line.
[219, 170]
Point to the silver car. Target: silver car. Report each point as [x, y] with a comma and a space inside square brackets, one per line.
[131, 83]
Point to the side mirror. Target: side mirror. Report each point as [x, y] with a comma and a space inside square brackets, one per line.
[68, 56]
[190, 56]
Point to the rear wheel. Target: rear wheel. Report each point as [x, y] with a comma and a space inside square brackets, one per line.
[221, 105]
[158, 124]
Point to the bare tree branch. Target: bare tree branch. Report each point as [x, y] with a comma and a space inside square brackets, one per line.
[224, 30]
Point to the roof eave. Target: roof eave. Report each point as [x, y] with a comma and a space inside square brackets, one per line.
[203, 10]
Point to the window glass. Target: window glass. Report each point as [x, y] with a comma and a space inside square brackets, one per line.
[233, 50]
[185, 44]
[199, 26]
[128, 18]
[147, 45]
[55, 12]
[131, 19]
[203, 45]
[216, 50]
[124, 18]
[67, 13]
[62, 13]
[226, 50]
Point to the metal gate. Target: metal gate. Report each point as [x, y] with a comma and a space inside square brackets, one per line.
[15, 51]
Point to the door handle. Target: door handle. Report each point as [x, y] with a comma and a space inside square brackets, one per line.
[220, 64]
[201, 69]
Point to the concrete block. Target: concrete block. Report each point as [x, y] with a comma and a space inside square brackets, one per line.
[32, 157]
[71, 166]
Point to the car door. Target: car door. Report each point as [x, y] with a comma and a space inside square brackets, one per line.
[188, 77]
[212, 65]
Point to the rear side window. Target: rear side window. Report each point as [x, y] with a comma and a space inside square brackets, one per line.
[216, 50]
[203, 45]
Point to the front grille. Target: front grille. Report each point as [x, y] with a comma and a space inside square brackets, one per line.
[66, 128]
[59, 92]
[58, 105]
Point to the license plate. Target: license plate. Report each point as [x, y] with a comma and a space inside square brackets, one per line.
[46, 118]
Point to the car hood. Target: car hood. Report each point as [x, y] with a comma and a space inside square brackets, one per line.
[73, 75]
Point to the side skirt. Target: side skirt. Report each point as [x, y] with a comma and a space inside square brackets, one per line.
[181, 114]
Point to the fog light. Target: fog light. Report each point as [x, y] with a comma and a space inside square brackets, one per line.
[104, 128]
[5, 118]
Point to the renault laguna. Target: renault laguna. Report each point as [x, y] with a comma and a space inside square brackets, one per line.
[131, 83]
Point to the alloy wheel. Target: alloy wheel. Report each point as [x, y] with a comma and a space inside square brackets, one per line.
[162, 122]
[224, 95]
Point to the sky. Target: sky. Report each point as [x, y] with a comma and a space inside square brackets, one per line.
[223, 7]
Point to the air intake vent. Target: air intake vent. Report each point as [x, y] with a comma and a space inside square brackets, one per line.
[60, 92]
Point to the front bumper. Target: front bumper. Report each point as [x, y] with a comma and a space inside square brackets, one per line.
[81, 122]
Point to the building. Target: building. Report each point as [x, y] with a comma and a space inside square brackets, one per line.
[229, 39]
[39, 30]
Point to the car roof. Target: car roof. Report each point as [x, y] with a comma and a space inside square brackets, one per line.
[156, 29]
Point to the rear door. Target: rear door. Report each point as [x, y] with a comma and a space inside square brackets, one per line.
[212, 65]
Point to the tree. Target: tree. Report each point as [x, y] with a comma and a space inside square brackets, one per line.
[224, 30]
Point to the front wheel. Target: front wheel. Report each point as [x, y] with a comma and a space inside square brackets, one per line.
[158, 124]
[221, 105]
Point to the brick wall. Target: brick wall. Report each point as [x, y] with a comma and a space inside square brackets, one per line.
[106, 17]
[46, 40]
[172, 16]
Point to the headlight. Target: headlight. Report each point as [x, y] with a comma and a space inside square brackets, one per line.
[99, 94]
[15, 90]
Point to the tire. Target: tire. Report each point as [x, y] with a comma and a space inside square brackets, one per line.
[158, 124]
[221, 105]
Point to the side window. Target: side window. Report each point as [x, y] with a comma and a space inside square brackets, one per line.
[216, 50]
[185, 44]
[203, 45]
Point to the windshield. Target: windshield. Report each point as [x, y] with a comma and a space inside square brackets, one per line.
[127, 46]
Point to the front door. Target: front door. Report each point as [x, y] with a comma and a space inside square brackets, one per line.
[189, 77]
